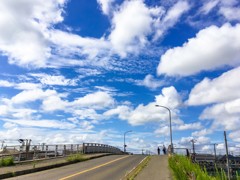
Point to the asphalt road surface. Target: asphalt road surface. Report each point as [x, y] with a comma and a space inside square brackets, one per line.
[104, 168]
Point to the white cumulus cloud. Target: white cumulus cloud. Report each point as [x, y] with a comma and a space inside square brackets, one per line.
[150, 82]
[143, 114]
[31, 95]
[23, 26]
[131, 25]
[230, 13]
[105, 5]
[212, 48]
[224, 115]
[221, 89]
[98, 99]
[4, 83]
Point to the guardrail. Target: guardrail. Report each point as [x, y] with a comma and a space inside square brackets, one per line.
[36, 152]
[100, 148]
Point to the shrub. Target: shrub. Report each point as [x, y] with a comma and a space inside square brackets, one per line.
[6, 161]
[76, 158]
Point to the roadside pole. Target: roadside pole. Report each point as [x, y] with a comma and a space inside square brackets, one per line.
[226, 146]
[215, 154]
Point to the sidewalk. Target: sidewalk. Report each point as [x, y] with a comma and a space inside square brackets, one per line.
[157, 169]
[34, 166]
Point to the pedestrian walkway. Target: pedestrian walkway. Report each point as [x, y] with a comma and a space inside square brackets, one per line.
[157, 169]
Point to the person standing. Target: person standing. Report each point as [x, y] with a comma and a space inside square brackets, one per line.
[164, 150]
[158, 150]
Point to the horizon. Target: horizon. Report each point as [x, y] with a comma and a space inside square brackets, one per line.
[88, 71]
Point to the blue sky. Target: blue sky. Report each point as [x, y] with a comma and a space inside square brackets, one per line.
[87, 71]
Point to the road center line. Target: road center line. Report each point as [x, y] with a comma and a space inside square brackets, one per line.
[96, 167]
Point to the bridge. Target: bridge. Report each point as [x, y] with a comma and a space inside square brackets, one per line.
[106, 162]
[33, 152]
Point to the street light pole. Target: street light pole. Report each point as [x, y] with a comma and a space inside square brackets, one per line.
[170, 124]
[124, 145]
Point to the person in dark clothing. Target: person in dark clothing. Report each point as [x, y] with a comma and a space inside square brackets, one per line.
[164, 149]
[158, 150]
[187, 152]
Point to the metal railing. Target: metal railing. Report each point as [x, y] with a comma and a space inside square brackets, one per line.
[100, 148]
[35, 152]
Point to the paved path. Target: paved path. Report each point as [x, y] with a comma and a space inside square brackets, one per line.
[157, 169]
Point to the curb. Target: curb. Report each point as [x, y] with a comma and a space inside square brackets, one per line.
[37, 169]
[126, 177]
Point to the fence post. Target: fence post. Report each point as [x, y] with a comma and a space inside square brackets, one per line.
[46, 151]
[34, 152]
[84, 148]
[77, 148]
[64, 150]
[19, 157]
[71, 149]
[56, 150]
[43, 146]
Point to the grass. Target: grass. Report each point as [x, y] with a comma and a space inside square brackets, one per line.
[6, 161]
[138, 169]
[184, 169]
[34, 163]
[76, 158]
[238, 176]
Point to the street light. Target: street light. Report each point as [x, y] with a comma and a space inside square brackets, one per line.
[124, 145]
[170, 124]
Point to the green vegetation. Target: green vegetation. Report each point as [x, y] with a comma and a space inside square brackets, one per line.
[34, 163]
[238, 176]
[138, 169]
[76, 158]
[6, 161]
[184, 169]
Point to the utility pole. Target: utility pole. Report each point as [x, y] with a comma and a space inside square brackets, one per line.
[215, 155]
[2, 143]
[124, 144]
[193, 146]
[226, 146]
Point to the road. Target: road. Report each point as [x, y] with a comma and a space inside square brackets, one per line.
[108, 167]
